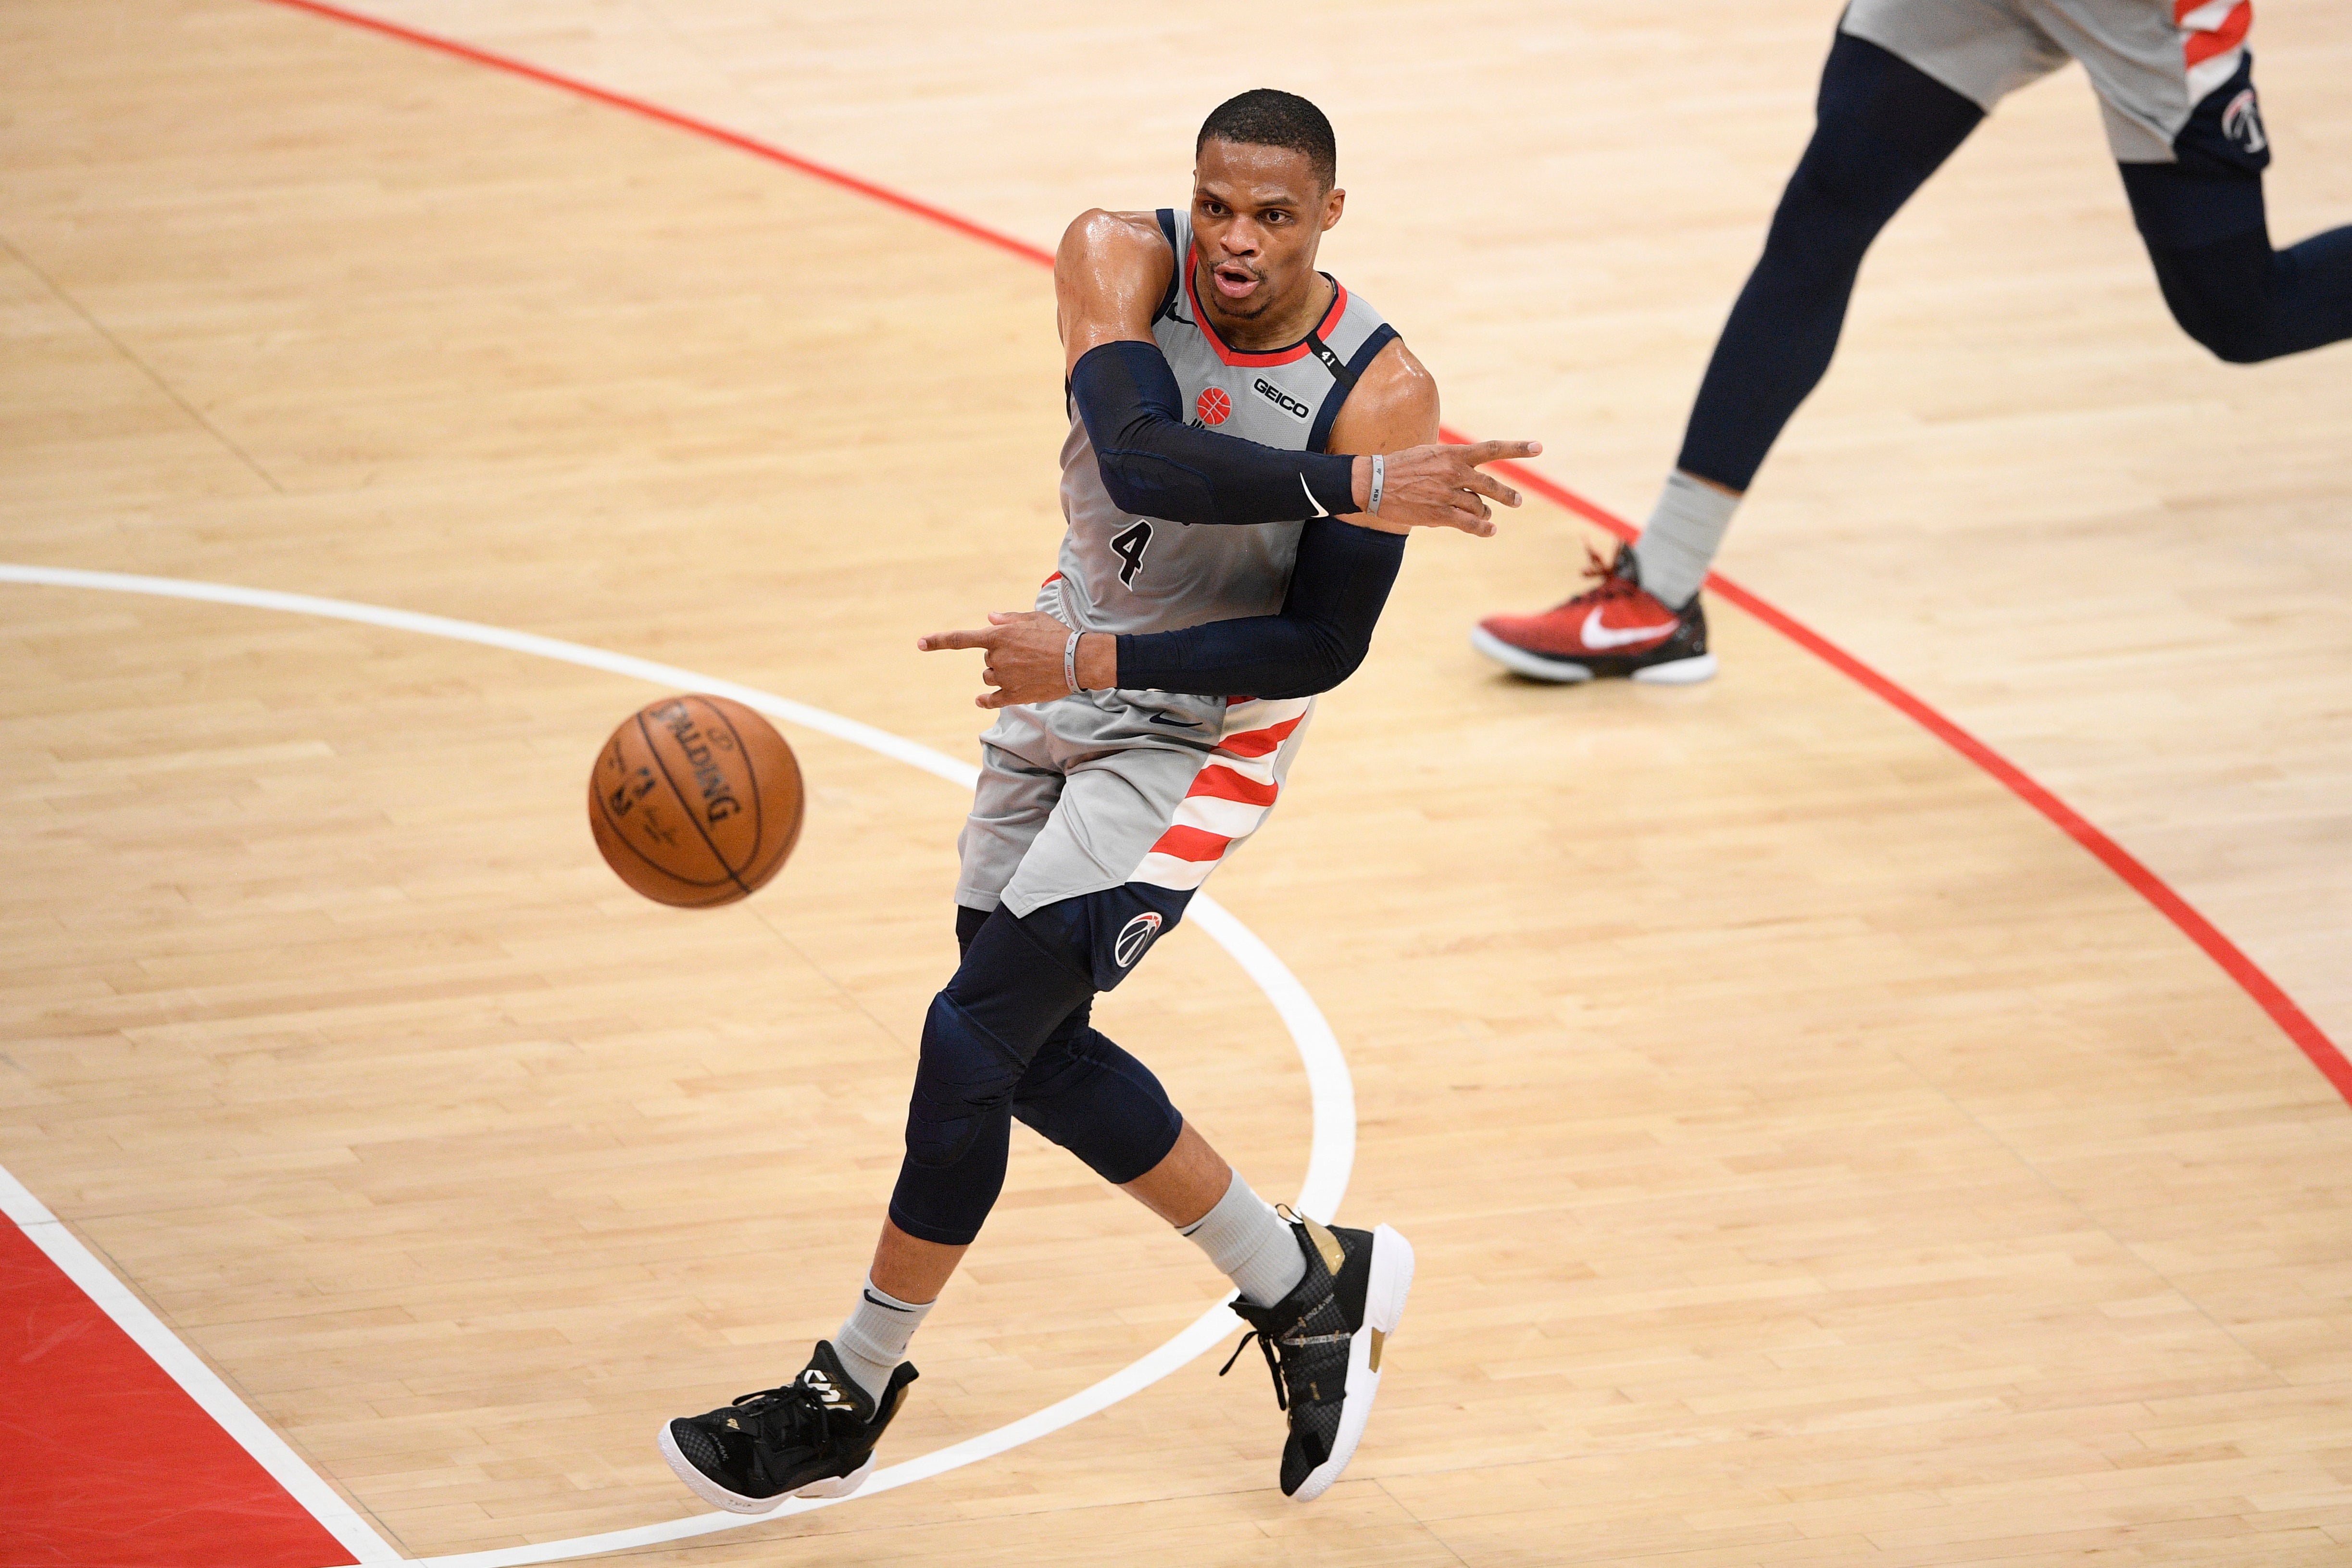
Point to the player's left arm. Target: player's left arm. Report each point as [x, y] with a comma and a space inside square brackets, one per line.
[1339, 585]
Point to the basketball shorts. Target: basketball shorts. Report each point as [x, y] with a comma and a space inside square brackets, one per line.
[1145, 791]
[2150, 61]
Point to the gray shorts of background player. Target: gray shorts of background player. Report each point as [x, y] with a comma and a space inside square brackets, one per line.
[1887, 122]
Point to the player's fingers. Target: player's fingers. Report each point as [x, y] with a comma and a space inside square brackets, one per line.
[938, 640]
[1486, 484]
[1498, 451]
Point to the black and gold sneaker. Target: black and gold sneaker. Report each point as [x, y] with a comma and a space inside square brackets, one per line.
[814, 1437]
[1323, 1343]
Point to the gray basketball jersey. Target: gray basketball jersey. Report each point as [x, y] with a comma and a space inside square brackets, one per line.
[1124, 572]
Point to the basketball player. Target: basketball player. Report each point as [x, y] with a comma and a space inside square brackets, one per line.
[1225, 560]
[1906, 83]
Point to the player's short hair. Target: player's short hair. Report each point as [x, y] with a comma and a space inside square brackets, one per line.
[1266, 117]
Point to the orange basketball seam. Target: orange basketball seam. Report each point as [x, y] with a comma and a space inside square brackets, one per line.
[751, 779]
[622, 838]
[700, 831]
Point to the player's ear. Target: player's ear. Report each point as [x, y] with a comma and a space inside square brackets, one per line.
[1332, 207]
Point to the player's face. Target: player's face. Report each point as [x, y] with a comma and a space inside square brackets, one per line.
[1258, 215]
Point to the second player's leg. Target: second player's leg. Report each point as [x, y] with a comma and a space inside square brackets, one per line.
[1884, 126]
[2207, 232]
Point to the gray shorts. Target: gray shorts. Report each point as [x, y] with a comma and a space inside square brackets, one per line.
[1101, 789]
[2149, 68]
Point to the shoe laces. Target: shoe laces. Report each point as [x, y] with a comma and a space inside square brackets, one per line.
[1273, 1365]
[790, 1416]
[1611, 584]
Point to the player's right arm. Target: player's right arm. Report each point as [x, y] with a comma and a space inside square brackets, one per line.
[1110, 274]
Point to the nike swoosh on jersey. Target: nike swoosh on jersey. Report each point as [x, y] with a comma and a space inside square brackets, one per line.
[1175, 723]
[1598, 635]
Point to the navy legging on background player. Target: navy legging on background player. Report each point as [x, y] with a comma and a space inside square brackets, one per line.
[1883, 127]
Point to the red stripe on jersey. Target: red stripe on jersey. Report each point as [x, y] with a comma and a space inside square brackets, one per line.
[1051, 581]
[1191, 844]
[2233, 31]
[1227, 785]
[1258, 743]
[1295, 353]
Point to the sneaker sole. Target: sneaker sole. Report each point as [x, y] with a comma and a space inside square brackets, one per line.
[1567, 672]
[1384, 1294]
[717, 1496]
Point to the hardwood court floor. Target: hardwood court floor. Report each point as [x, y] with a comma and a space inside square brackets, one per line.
[1813, 1157]
[2022, 490]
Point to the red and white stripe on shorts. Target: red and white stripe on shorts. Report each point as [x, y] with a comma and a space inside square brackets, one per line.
[2213, 40]
[1230, 796]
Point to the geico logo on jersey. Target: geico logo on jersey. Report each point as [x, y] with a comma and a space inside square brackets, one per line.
[1283, 400]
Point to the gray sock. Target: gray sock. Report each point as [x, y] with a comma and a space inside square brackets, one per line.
[873, 1341]
[1248, 1240]
[1678, 543]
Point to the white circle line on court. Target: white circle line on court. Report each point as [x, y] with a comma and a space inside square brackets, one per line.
[1331, 1155]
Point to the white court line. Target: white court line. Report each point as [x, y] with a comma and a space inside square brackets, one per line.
[1331, 1156]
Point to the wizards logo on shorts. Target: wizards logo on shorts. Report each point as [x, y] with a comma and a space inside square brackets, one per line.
[1134, 937]
[2242, 122]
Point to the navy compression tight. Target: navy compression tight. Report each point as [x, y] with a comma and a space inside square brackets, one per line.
[1012, 1036]
[1885, 126]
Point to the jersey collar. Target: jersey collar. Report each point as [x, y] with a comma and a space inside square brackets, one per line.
[1296, 351]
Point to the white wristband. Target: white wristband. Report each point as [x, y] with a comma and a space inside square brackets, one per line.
[1379, 480]
[1070, 663]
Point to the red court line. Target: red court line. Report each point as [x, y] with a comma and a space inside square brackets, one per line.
[104, 1458]
[2298, 1026]
[2307, 1034]
[703, 128]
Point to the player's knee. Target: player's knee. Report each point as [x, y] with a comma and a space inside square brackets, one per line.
[962, 1078]
[1094, 1099]
[2233, 336]
[2232, 322]
[1839, 198]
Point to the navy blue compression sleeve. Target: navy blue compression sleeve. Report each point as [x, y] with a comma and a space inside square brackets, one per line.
[1338, 589]
[1156, 466]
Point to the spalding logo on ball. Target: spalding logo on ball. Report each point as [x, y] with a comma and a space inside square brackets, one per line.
[695, 801]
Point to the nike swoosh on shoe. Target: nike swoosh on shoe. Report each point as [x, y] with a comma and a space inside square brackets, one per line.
[1596, 634]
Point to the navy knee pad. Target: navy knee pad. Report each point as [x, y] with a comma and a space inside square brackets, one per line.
[1007, 996]
[1009, 1035]
[1093, 1098]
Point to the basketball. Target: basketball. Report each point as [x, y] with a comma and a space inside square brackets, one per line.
[695, 801]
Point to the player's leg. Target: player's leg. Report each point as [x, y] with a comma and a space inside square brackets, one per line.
[1320, 1300]
[2202, 217]
[1884, 126]
[814, 1435]
[1323, 1299]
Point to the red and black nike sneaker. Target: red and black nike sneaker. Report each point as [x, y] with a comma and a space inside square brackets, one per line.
[1615, 627]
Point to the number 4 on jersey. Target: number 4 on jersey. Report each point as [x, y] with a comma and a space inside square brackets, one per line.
[1129, 547]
